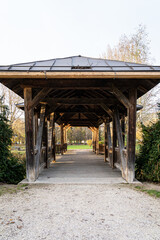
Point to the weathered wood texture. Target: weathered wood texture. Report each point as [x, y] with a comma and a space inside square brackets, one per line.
[30, 162]
[114, 139]
[39, 140]
[62, 139]
[97, 140]
[105, 141]
[131, 138]
[120, 142]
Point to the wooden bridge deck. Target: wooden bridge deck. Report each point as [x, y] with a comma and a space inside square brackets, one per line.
[80, 166]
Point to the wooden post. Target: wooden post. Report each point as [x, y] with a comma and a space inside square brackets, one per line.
[123, 129]
[39, 140]
[30, 163]
[105, 141]
[46, 142]
[114, 140]
[62, 139]
[36, 125]
[109, 140]
[131, 138]
[53, 142]
[120, 142]
[97, 140]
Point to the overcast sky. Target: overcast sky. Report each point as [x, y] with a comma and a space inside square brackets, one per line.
[44, 29]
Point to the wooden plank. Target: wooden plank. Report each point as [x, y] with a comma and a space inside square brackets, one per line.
[123, 128]
[72, 75]
[30, 162]
[39, 140]
[120, 142]
[121, 97]
[131, 138]
[107, 109]
[39, 97]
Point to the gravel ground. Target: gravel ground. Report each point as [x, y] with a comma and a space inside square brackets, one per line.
[85, 212]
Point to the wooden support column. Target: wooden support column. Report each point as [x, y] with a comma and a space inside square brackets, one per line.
[131, 138]
[46, 142]
[36, 125]
[120, 143]
[123, 129]
[105, 141]
[109, 141]
[62, 139]
[30, 163]
[39, 141]
[114, 140]
[97, 140]
[50, 137]
[53, 142]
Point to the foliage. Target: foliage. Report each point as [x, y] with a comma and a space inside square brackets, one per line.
[11, 169]
[89, 142]
[134, 48]
[78, 134]
[148, 160]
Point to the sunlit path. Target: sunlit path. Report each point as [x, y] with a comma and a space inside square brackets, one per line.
[80, 166]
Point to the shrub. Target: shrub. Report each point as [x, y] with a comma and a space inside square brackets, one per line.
[12, 170]
[148, 159]
[89, 142]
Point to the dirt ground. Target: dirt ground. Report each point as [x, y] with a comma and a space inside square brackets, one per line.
[85, 212]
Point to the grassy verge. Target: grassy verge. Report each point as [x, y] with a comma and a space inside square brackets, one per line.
[151, 192]
[9, 188]
[72, 147]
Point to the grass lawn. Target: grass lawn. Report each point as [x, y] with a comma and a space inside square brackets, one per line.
[72, 147]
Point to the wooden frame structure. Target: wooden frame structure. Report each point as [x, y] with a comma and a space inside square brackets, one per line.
[80, 91]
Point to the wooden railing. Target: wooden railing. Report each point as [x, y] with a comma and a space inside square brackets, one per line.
[58, 148]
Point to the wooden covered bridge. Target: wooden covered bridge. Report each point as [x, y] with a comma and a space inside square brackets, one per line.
[80, 91]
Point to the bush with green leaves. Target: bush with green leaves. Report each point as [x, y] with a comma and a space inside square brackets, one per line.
[148, 159]
[12, 170]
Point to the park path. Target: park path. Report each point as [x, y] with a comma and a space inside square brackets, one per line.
[80, 166]
[83, 212]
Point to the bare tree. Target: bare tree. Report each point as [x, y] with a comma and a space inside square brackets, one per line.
[11, 99]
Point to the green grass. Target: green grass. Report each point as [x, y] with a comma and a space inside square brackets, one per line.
[73, 147]
[9, 188]
[151, 192]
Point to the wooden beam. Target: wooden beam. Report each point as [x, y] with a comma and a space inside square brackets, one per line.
[39, 140]
[80, 101]
[79, 75]
[121, 97]
[107, 109]
[131, 138]
[39, 97]
[30, 162]
[113, 143]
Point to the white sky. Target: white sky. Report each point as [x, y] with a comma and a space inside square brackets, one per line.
[44, 29]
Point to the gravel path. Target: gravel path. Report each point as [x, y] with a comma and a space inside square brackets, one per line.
[85, 212]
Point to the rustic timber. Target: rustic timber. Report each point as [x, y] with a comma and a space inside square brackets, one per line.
[121, 97]
[62, 139]
[120, 142]
[39, 141]
[131, 138]
[39, 97]
[105, 141]
[30, 161]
